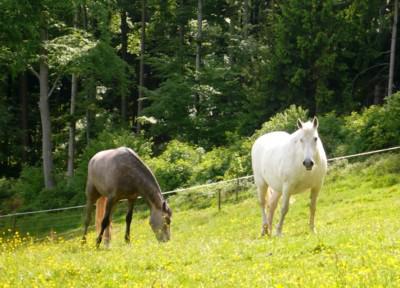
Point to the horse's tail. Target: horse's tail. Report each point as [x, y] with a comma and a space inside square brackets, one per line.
[100, 211]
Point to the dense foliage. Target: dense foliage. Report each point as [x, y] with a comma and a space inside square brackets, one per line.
[257, 66]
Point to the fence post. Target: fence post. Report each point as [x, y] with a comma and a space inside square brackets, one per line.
[14, 225]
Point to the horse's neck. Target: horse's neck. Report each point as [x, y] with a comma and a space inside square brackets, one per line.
[154, 197]
[293, 140]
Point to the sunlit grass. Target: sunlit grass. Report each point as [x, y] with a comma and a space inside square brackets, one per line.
[357, 245]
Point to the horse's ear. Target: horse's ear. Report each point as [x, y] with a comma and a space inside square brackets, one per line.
[165, 208]
[315, 122]
[299, 124]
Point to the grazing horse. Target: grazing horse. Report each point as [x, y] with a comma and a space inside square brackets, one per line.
[120, 174]
[286, 164]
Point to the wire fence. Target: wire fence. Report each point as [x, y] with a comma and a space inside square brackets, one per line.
[68, 220]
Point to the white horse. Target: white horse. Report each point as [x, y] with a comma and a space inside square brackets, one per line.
[286, 164]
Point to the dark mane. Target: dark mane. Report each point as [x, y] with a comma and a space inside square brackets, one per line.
[153, 187]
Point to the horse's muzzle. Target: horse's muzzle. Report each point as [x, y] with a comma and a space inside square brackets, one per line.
[308, 163]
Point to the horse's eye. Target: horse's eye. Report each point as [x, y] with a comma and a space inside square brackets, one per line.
[168, 221]
[301, 140]
[315, 139]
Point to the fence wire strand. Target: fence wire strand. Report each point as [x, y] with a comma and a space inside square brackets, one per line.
[208, 185]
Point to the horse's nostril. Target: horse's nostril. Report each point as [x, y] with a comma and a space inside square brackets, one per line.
[308, 163]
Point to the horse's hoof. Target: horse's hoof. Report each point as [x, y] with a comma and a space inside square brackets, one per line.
[107, 243]
[264, 230]
[83, 241]
[98, 241]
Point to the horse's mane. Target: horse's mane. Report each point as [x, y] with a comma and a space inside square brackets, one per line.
[155, 197]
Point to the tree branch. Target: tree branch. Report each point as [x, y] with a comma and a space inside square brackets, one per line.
[34, 72]
[364, 71]
[54, 86]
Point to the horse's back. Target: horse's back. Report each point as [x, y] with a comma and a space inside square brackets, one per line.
[270, 140]
[111, 169]
[265, 148]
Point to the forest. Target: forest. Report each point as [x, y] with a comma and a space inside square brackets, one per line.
[188, 84]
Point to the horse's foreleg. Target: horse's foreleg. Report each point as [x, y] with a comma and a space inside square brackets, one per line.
[262, 193]
[106, 220]
[284, 210]
[128, 220]
[313, 207]
[273, 199]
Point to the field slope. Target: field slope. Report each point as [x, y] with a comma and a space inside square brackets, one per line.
[357, 244]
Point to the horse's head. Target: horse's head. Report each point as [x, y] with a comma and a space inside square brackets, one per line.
[308, 138]
[160, 222]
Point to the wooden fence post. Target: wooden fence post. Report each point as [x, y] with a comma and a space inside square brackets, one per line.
[14, 225]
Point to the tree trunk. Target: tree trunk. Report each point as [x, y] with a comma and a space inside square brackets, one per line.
[393, 48]
[45, 119]
[245, 18]
[199, 32]
[141, 65]
[89, 113]
[377, 94]
[198, 50]
[181, 25]
[124, 53]
[23, 98]
[71, 140]
[74, 90]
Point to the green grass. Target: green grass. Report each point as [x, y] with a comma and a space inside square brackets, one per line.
[357, 244]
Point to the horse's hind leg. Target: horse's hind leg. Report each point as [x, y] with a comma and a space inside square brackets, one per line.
[273, 198]
[91, 196]
[284, 210]
[262, 193]
[106, 220]
[128, 221]
[100, 212]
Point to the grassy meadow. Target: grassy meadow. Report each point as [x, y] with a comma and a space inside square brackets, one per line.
[357, 244]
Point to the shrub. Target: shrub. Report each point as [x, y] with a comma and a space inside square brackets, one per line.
[212, 166]
[332, 133]
[375, 127]
[28, 187]
[284, 121]
[9, 200]
[240, 164]
[175, 166]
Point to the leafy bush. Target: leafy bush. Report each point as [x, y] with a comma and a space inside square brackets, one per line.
[9, 200]
[212, 166]
[28, 187]
[374, 128]
[176, 165]
[332, 133]
[240, 164]
[284, 121]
